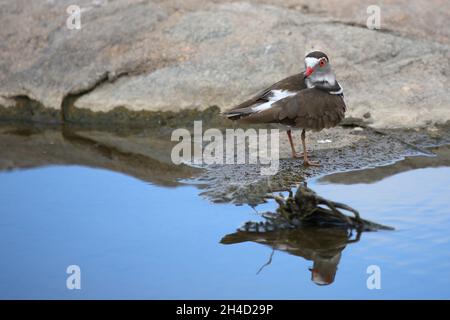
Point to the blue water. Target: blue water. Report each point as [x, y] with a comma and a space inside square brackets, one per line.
[136, 240]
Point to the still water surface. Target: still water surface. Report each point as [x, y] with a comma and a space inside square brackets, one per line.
[134, 240]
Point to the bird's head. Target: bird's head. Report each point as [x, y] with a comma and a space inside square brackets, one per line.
[317, 63]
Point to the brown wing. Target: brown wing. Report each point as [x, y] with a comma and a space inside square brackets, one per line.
[293, 83]
[309, 109]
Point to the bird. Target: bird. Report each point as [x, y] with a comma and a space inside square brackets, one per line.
[310, 100]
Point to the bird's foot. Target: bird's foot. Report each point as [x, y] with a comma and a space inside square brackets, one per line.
[308, 154]
[301, 155]
[308, 163]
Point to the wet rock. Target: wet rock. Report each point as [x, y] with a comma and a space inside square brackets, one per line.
[349, 150]
[440, 158]
[146, 154]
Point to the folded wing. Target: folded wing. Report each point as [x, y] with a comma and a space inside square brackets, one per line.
[312, 109]
[265, 99]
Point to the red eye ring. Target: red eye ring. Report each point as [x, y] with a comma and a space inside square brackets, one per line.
[322, 62]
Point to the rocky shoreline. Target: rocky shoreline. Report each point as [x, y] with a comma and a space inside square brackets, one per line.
[146, 154]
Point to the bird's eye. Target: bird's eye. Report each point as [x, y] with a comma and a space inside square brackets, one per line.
[322, 62]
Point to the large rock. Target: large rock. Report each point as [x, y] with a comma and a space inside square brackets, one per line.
[424, 19]
[172, 55]
[44, 60]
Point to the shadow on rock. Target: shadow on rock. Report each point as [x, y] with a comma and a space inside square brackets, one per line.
[144, 154]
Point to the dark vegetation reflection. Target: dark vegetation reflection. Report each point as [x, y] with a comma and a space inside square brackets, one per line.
[308, 226]
[322, 246]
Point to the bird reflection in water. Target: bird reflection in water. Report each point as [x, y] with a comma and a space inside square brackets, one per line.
[322, 246]
[303, 227]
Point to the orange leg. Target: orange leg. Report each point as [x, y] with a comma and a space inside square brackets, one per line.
[306, 162]
[289, 133]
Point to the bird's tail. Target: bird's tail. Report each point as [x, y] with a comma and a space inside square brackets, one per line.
[235, 114]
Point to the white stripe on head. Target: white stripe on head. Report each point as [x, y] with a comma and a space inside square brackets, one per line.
[311, 62]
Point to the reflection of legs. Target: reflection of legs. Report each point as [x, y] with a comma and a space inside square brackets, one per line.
[289, 133]
[306, 162]
[268, 262]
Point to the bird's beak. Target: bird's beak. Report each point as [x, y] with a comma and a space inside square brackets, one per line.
[308, 72]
